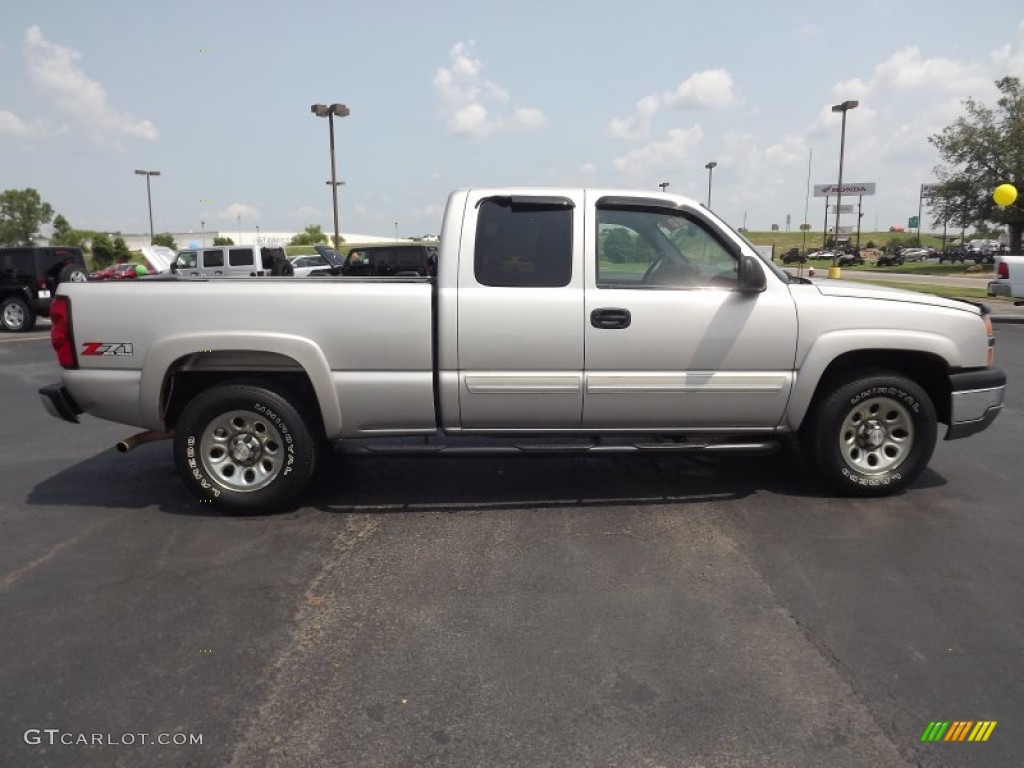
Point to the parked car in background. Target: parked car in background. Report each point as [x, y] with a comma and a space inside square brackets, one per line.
[917, 254]
[953, 254]
[983, 251]
[393, 260]
[228, 261]
[793, 256]
[303, 265]
[821, 255]
[849, 259]
[126, 270]
[890, 260]
[1009, 277]
[28, 278]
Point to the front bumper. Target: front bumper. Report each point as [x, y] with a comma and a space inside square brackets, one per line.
[976, 399]
[59, 403]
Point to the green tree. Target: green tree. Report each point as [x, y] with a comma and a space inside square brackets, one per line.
[102, 251]
[121, 252]
[61, 230]
[165, 239]
[65, 234]
[311, 235]
[223, 241]
[982, 149]
[22, 212]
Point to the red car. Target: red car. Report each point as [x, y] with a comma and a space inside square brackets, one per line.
[126, 270]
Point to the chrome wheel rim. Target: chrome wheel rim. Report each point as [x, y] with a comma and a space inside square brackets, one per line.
[242, 451]
[78, 276]
[14, 315]
[877, 436]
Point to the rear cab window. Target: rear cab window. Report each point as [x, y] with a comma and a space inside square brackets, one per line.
[524, 242]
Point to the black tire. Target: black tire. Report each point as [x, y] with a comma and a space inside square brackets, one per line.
[72, 273]
[15, 315]
[245, 447]
[871, 435]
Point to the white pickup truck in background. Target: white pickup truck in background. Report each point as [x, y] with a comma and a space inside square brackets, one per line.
[1009, 279]
[559, 320]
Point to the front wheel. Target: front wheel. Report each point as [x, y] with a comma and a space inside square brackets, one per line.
[871, 435]
[244, 446]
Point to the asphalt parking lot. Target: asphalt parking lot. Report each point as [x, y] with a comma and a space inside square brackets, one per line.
[569, 611]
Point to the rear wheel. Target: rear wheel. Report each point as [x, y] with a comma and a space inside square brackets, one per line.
[244, 447]
[871, 435]
[72, 273]
[15, 315]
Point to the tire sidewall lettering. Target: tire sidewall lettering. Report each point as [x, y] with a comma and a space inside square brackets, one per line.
[895, 393]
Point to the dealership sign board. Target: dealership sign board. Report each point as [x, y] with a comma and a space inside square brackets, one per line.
[931, 190]
[852, 190]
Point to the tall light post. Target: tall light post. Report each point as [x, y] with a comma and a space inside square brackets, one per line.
[322, 110]
[149, 199]
[711, 167]
[663, 185]
[845, 107]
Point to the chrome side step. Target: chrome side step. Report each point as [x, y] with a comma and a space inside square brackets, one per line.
[471, 446]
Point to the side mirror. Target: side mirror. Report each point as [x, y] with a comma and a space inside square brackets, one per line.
[751, 276]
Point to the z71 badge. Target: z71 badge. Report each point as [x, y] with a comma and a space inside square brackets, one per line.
[107, 348]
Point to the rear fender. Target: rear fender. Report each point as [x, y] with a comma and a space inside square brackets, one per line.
[166, 356]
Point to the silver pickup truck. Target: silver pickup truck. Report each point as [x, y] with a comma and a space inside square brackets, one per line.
[559, 320]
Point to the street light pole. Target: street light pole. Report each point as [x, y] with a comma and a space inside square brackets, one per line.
[845, 107]
[322, 110]
[711, 167]
[149, 199]
[663, 185]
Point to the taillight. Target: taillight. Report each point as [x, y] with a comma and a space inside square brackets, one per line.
[42, 285]
[1003, 270]
[61, 337]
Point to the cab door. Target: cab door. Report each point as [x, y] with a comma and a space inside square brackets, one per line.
[520, 310]
[672, 342]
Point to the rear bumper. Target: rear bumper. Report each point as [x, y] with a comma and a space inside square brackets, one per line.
[976, 400]
[998, 289]
[59, 403]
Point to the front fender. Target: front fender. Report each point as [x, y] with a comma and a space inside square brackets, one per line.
[832, 345]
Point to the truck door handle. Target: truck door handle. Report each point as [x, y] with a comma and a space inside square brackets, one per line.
[610, 318]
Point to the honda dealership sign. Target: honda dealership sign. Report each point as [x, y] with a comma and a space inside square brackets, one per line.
[850, 190]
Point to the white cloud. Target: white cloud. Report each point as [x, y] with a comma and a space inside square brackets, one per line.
[809, 31]
[638, 125]
[907, 71]
[12, 125]
[711, 89]
[235, 210]
[1009, 60]
[476, 107]
[662, 154]
[53, 69]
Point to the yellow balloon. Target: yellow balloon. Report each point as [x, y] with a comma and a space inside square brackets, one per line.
[1005, 194]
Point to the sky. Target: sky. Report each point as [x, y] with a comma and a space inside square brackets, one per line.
[450, 94]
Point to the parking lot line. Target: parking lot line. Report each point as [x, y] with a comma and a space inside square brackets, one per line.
[24, 338]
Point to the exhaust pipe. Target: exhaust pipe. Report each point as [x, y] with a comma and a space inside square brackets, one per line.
[143, 437]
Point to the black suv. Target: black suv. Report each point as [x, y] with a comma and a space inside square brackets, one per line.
[380, 261]
[29, 276]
